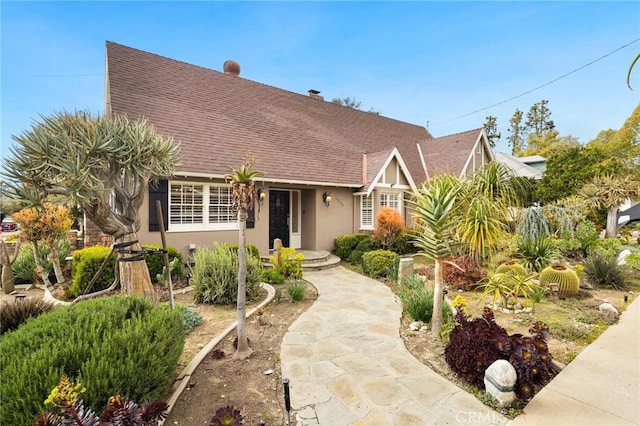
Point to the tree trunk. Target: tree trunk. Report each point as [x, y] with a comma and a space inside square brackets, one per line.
[44, 274]
[243, 351]
[612, 222]
[436, 316]
[134, 275]
[55, 260]
[7, 279]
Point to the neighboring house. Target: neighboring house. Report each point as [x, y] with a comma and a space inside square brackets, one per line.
[328, 168]
[518, 167]
[535, 161]
[631, 213]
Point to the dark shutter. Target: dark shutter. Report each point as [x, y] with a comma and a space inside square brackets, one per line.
[251, 218]
[160, 191]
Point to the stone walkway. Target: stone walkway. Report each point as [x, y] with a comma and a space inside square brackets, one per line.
[347, 364]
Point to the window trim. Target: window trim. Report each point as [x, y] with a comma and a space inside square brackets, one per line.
[400, 200]
[205, 225]
[364, 226]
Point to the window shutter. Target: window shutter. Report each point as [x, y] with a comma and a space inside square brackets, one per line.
[158, 192]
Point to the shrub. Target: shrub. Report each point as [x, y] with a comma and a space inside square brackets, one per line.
[474, 345]
[537, 254]
[567, 278]
[251, 249]
[608, 247]
[289, 263]
[155, 261]
[467, 276]
[296, 289]
[84, 265]
[380, 263]
[604, 271]
[113, 345]
[190, 318]
[533, 224]
[346, 244]
[14, 314]
[587, 235]
[633, 262]
[389, 228]
[215, 275]
[24, 268]
[272, 276]
[417, 302]
[363, 247]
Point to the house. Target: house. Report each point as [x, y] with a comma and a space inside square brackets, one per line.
[518, 167]
[328, 169]
[535, 161]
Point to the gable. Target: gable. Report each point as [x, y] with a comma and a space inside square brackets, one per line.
[458, 154]
[386, 169]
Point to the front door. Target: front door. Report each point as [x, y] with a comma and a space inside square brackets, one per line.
[279, 217]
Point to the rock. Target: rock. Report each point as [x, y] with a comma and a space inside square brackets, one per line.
[586, 284]
[424, 329]
[622, 257]
[405, 269]
[528, 310]
[414, 326]
[499, 381]
[608, 311]
[268, 372]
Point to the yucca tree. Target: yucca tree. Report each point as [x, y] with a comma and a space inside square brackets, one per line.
[244, 198]
[103, 164]
[610, 192]
[434, 205]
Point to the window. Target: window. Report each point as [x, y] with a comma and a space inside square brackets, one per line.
[194, 206]
[391, 200]
[366, 212]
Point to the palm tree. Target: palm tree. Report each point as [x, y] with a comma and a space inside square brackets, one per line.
[434, 207]
[103, 164]
[610, 192]
[244, 198]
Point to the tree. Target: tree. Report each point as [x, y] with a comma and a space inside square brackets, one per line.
[539, 119]
[490, 127]
[244, 198]
[49, 225]
[609, 193]
[568, 169]
[434, 210]
[517, 130]
[104, 165]
[352, 103]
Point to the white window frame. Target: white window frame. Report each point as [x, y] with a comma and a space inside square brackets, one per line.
[385, 200]
[369, 207]
[204, 225]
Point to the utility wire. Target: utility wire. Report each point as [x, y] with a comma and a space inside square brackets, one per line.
[542, 85]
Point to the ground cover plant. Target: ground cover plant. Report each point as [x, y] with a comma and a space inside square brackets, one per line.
[114, 345]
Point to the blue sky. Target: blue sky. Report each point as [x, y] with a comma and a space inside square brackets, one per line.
[422, 62]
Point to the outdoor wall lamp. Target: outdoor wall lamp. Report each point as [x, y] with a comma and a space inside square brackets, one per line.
[262, 194]
[326, 198]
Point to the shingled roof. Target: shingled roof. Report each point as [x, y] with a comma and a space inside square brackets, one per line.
[216, 118]
[448, 154]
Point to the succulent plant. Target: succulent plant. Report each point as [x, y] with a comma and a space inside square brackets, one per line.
[566, 278]
[515, 268]
[227, 416]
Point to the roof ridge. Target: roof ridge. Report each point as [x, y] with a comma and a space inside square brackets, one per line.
[458, 133]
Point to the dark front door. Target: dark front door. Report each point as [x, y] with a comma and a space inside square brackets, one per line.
[279, 217]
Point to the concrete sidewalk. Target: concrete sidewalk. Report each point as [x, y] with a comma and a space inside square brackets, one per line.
[348, 365]
[600, 387]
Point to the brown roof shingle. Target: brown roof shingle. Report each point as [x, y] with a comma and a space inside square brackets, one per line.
[448, 154]
[216, 118]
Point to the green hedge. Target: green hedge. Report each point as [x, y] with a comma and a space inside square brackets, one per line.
[380, 263]
[251, 249]
[114, 345]
[346, 244]
[155, 261]
[85, 264]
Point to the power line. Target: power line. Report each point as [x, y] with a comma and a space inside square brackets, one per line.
[542, 85]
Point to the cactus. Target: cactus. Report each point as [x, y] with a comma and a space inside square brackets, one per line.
[566, 278]
[6, 261]
[515, 268]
